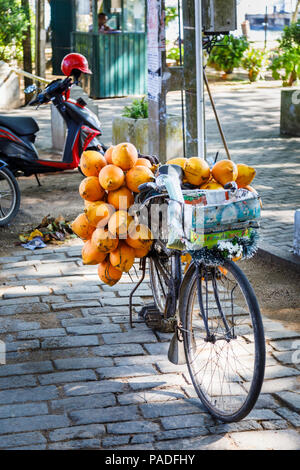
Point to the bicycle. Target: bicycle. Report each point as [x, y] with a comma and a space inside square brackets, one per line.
[217, 321]
[9, 195]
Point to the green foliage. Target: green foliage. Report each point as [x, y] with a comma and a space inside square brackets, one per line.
[137, 110]
[256, 62]
[228, 54]
[285, 64]
[13, 24]
[173, 54]
[170, 15]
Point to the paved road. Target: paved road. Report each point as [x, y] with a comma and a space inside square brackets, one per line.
[78, 377]
[250, 117]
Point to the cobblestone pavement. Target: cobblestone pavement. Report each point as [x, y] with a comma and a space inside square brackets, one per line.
[78, 377]
[250, 116]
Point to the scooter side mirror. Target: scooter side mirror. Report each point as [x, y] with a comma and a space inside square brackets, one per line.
[30, 89]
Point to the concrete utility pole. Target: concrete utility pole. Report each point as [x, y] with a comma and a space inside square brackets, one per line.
[40, 38]
[156, 55]
[296, 12]
[26, 44]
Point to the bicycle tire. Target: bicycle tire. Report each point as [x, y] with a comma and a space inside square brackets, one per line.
[212, 404]
[160, 277]
[9, 177]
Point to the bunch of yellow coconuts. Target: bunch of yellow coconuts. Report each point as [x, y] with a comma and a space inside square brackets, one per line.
[112, 239]
[198, 173]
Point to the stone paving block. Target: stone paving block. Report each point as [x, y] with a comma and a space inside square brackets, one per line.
[126, 371]
[62, 290]
[142, 438]
[137, 360]
[22, 345]
[103, 311]
[132, 427]
[106, 301]
[157, 349]
[114, 441]
[16, 439]
[130, 337]
[292, 399]
[88, 296]
[11, 292]
[89, 388]
[19, 301]
[166, 367]
[181, 433]
[70, 342]
[23, 395]
[260, 415]
[285, 345]
[42, 333]
[18, 381]
[82, 363]
[78, 403]
[189, 421]
[52, 299]
[274, 425]
[291, 416]
[277, 335]
[75, 445]
[34, 423]
[105, 415]
[25, 368]
[10, 259]
[285, 357]
[153, 381]
[93, 329]
[149, 396]
[118, 350]
[200, 443]
[29, 409]
[37, 289]
[77, 432]
[8, 325]
[277, 385]
[71, 305]
[64, 377]
[83, 321]
[267, 440]
[37, 307]
[171, 408]
[248, 425]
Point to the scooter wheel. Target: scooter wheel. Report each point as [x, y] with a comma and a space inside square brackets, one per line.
[10, 196]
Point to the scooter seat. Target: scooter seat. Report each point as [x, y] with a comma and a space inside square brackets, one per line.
[20, 125]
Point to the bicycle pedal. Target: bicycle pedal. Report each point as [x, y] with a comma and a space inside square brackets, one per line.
[154, 319]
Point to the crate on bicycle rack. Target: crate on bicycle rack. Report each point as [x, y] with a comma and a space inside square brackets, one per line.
[209, 217]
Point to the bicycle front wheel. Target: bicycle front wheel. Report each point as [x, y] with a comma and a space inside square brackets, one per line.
[9, 196]
[223, 340]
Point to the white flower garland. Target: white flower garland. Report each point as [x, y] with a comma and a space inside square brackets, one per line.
[233, 251]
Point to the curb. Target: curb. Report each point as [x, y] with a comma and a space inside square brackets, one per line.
[278, 256]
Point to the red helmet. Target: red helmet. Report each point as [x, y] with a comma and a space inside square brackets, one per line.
[74, 61]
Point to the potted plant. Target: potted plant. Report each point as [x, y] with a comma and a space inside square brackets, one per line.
[255, 61]
[132, 126]
[285, 63]
[228, 54]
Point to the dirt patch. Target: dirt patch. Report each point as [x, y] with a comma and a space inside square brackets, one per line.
[277, 290]
[57, 195]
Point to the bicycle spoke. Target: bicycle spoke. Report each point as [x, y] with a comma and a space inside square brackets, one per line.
[221, 356]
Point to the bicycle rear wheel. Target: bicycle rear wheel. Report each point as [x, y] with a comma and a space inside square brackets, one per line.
[9, 196]
[223, 340]
[165, 279]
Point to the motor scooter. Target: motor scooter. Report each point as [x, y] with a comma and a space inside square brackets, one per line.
[18, 134]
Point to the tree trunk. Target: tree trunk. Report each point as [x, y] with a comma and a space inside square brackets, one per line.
[295, 14]
[26, 44]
